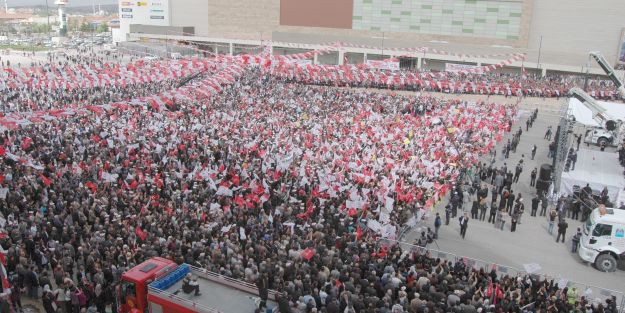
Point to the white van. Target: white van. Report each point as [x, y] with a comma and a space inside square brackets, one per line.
[603, 238]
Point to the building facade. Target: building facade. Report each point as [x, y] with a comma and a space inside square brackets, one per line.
[555, 34]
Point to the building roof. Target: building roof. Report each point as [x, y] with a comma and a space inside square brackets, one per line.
[15, 16]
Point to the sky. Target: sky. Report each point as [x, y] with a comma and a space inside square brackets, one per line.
[51, 2]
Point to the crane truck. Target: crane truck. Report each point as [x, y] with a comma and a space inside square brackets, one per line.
[611, 129]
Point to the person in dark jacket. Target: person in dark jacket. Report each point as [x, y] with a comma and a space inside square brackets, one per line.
[562, 226]
[263, 291]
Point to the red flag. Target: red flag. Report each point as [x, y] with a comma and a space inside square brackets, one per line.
[141, 233]
[92, 186]
[308, 254]
[2, 151]
[358, 233]
[46, 180]
[26, 143]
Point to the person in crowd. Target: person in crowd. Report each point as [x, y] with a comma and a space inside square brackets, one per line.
[464, 224]
[562, 226]
[544, 204]
[575, 240]
[552, 221]
[437, 225]
[106, 165]
[535, 203]
[190, 285]
[548, 133]
[517, 172]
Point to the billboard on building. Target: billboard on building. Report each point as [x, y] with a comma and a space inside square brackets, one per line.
[144, 12]
[386, 65]
[455, 68]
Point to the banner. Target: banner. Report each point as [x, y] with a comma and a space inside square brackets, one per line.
[457, 68]
[384, 65]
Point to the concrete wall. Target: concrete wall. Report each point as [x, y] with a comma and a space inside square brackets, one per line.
[190, 13]
[572, 28]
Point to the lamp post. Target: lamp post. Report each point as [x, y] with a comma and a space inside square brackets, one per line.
[540, 46]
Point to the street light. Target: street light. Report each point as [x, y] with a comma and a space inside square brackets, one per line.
[383, 37]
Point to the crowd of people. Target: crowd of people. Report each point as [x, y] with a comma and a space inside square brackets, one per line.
[242, 183]
[504, 84]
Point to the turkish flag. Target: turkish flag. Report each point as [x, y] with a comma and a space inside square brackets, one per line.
[308, 254]
[46, 180]
[26, 143]
[141, 233]
[92, 186]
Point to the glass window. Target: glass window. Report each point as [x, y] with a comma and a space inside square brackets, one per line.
[589, 223]
[602, 230]
[128, 289]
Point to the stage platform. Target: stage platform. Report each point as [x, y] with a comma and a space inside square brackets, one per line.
[597, 168]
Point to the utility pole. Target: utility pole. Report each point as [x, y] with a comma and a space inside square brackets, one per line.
[48, 15]
[540, 46]
[383, 35]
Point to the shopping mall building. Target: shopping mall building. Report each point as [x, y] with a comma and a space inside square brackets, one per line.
[555, 35]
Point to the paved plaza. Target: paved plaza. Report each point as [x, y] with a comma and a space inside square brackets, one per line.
[531, 243]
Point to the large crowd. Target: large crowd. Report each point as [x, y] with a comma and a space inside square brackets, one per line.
[286, 185]
[504, 84]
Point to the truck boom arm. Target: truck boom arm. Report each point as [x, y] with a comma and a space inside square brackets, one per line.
[607, 68]
[598, 112]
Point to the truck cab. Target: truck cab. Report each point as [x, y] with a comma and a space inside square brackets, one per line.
[603, 238]
[134, 286]
[599, 136]
[156, 286]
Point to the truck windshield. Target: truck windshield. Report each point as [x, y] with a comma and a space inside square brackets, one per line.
[128, 289]
[589, 223]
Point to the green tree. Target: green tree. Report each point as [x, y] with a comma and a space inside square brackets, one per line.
[103, 27]
[85, 27]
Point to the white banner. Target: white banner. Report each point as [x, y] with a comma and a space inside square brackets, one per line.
[384, 65]
[301, 62]
[455, 68]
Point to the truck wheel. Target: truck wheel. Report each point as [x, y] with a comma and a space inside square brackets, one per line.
[605, 263]
[602, 141]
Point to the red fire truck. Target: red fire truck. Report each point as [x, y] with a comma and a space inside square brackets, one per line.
[156, 286]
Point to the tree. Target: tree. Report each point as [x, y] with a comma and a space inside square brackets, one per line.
[85, 27]
[103, 27]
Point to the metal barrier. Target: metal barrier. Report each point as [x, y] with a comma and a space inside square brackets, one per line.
[589, 291]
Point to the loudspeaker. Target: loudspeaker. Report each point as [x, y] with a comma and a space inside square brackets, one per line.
[542, 185]
[545, 172]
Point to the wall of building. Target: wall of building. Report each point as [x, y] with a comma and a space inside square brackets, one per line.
[191, 13]
[571, 28]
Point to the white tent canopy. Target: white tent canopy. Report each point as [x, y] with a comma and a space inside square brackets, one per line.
[583, 114]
